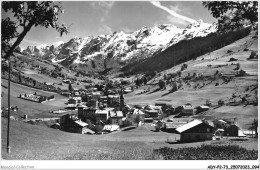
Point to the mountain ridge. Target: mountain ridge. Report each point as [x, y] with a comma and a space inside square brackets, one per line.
[118, 47]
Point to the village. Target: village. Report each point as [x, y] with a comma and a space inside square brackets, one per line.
[178, 82]
[101, 109]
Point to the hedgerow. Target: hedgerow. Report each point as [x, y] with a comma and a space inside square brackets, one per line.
[208, 152]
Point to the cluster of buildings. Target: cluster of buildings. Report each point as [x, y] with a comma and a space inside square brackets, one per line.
[192, 130]
[36, 97]
[100, 113]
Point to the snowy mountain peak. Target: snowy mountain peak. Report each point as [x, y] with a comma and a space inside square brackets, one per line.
[121, 46]
[42, 46]
[58, 44]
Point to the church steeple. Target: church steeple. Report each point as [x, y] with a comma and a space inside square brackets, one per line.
[122, 100]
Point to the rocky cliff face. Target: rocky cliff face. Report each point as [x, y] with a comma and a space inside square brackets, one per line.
[117, 49]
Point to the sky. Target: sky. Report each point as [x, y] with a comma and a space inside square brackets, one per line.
[87, 18]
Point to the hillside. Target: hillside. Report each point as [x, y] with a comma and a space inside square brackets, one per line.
[247, 85]
[27, 143]
[185, 50]
[32, 109]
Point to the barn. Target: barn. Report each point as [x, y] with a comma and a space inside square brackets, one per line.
[202, 109]
[231, 130]
[196, 130]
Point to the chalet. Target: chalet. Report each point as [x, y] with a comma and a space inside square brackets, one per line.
[71, 106]
[67, 117]
[151, 107]
[202, 109]
[155, 114]
[71, 123]
[116, 118]
[134, 113]
[80, 127]
[126, 110]
[85, 113]
[66, 93]
[76, 93]
[196, 130]
[93, 103]
[187, 110]
[74, 100]
[164, 105]
[96, 95]
[102, 115]
[231, 130]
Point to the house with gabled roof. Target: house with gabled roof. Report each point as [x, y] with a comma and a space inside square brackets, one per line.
[133, 113]
[71, 123]
[196, 130]
[102, 115]
[187, 110]
[116, 117]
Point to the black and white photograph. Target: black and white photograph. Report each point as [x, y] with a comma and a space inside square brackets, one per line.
[156, 81]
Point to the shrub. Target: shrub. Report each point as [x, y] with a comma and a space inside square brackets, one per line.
[180, 85]
[221, 102]
[179, 73]
[241, 73]
[229, 51]
[238, 66]
[93, 64]
[137, 119]
[252, 55]
[165, 77]
[161, 84]
[184, 66]
[127, 122]
[145, 80]
[174, 87]
[208, 102]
